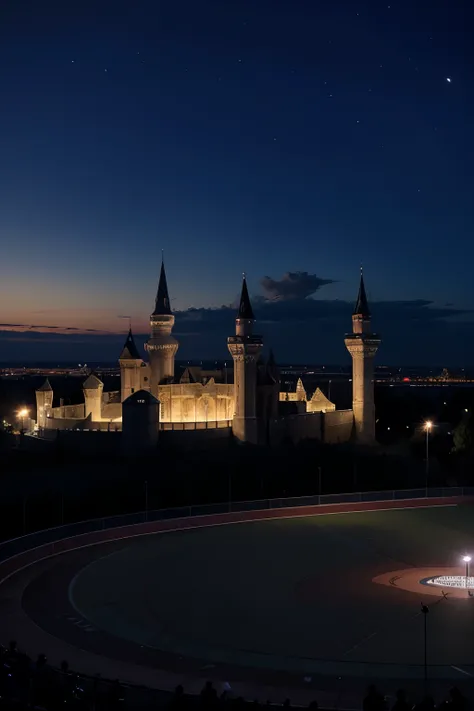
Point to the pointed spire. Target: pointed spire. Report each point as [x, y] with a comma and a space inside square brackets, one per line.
[130, 350]
[92, 383]
[245, 308]
[162, 302]
[46, 387]
[362, 306]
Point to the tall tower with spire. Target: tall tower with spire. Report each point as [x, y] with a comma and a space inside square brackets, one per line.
[245, 348]
[161, 346]
[362, 344]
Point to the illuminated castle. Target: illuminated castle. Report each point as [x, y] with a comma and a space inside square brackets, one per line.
[153, 401]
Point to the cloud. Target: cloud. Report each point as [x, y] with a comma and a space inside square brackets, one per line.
[40, 328]
[299, 327]
[293, 285]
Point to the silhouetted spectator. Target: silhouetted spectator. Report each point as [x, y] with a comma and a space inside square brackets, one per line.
[239, 704]
[287, 704]
[208, 695]
[178, 702]
[116, 695]
[374, 701]
[456, 702]
[426, 704]
[401, 703]
[313, 706]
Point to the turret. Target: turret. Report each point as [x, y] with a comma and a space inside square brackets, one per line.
[362, 344]
[161, 346]
[140, 423]
[132, 367]
[93, 389]
[44, 403]
[245, 348]
[300, 391]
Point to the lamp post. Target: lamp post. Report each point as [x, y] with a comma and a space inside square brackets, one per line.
[467, 560]
[424, 611]
[428, 426]
[146, 500]
[22, 414]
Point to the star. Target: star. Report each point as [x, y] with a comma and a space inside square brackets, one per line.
[448, 79]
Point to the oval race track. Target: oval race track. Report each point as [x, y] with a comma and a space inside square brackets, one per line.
[263, 605]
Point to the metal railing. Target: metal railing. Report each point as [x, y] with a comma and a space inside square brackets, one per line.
[50, 535]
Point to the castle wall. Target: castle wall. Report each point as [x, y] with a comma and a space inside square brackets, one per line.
[71, 412]
[199, 434]
[112, 411]
[89, 443]
[60, 423]
[194, 426]
[195, 402]
[338, 426]
[297, 428]
[110, 396]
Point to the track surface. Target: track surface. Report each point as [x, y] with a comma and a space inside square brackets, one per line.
[291, 595]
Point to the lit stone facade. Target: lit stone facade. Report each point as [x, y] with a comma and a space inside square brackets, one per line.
[161, 346]
[362, 344]
[317, 403]
[44, 403]
[245, 349]
[252, 404]
[212, 402]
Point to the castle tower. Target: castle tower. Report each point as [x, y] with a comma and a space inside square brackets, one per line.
[245, 348]
[140, 423]
[130, 368]
[161, 346]
[362, 344]
[93, 388]
[44, 403]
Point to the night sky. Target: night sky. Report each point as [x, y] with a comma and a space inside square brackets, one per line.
[290, 139]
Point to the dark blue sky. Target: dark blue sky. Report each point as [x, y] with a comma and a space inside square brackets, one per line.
[266, 136]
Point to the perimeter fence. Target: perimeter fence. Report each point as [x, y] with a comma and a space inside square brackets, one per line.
[51, 535]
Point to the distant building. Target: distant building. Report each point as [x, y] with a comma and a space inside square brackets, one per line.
[251, 407]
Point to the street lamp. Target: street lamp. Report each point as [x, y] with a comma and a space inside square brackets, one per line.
[467, 560]
[428, 426]
[23, 413]
[424, 611]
